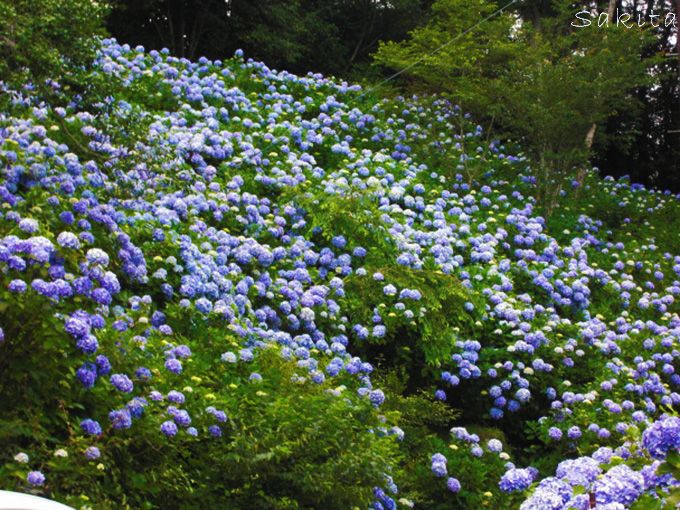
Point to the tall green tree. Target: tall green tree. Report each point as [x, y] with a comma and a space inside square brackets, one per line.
[538, 80]
[470, 65]
[39, 38]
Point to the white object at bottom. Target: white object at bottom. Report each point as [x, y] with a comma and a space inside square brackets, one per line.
[19, 501]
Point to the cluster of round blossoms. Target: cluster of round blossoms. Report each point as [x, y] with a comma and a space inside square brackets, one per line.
[604, 480]
[223, 210]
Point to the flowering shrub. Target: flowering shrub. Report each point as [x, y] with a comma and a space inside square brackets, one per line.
[225, 285]
[637, 473]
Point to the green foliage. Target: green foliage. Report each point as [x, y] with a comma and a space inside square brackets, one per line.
[353, 215]
[637, 218]
[40, 39]
[540, 83]
[427, 336]
[426, 423]
[307, 441]
[467, 64]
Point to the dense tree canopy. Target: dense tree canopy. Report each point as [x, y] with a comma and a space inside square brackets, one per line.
[35, 35]
[298, 35]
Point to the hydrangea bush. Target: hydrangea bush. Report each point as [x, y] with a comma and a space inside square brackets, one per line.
[637, 474]
[222, 284]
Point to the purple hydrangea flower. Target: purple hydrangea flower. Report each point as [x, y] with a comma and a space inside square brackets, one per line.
[516, 480]
[92, 453]
[68, 240]
[439, 469]
[619, 485]
[453, 484]
[122, 383]
[174, 366]
[494, 445]
[581, 471]
[555, 433]
[376, 397]
[18, 286]
[169, 428]
[176, 397]
[35, 478]
[91, 427]
[120, 419]
[662, 437]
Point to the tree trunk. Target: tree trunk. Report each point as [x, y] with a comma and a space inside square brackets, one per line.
[610, 10]
[581, 174]
[590, 136]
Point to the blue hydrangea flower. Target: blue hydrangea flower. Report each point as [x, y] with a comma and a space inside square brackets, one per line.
[376, 397]
[494, 445]
[122, 383]
[516, 480]
[169, 428]
[619, 485]
[91, 427]
[582, 471]
[35, 478]
[453, 484]
[174, 365]
[120, 419]
[92, 453]
[662, 437]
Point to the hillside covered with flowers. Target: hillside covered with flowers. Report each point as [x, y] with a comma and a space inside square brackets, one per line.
[226, 286]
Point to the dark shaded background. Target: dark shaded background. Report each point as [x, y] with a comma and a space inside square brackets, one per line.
[337, 37]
